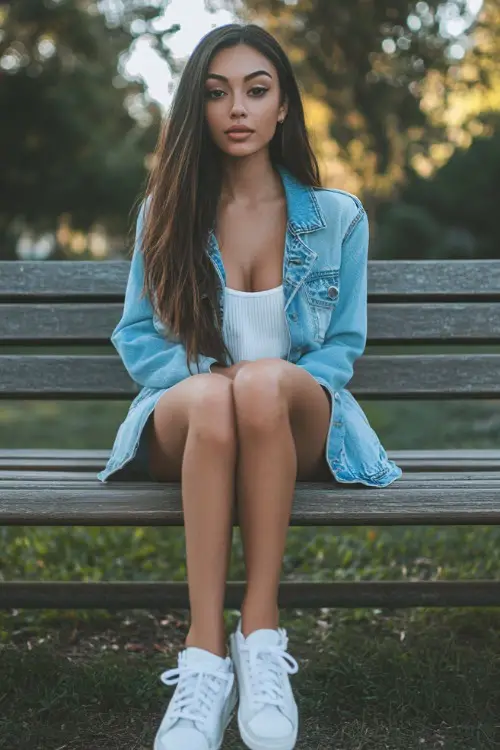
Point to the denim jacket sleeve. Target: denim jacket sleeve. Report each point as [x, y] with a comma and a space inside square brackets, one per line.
[345, 339]
[149, 357]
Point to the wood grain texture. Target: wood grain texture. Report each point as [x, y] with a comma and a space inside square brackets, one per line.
[116, 595]
[384, 376]
[63, 280]
[106, 280]
[465, 499]
[58, 323]
[457, 461]
[30, 476]
[70, 323]
[455, 322]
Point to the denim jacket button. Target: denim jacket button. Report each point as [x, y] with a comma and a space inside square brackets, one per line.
[333, 292]
[294, 316]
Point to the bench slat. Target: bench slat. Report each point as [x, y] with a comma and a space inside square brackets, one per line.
[387, 323]
[58, 323]
[68, 280]
[94, 460]
[419, 323]
[298, 595]
[90, 503]
[43, 477]
[98, 280]
[408, 376]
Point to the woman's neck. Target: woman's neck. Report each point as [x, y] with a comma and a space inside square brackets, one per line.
[250, 180]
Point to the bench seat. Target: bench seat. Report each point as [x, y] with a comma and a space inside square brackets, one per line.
[54, 488]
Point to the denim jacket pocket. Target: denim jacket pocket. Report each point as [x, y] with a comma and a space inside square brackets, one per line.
[322, 291]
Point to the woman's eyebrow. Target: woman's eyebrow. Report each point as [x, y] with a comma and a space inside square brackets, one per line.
[218, 77]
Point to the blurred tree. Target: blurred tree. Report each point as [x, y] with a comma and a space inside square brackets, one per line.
[407, 232]
[453, 213]
[451, 198]
[74, 132]
[369, 60]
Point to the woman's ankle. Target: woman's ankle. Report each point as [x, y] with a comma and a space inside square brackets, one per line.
[258, 617]
[213, 642]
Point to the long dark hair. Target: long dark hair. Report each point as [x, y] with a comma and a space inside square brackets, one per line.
[184, 186]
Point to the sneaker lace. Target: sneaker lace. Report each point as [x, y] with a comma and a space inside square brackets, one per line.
[196, 691]
[266, 667]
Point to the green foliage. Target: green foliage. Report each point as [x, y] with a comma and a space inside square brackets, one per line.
[452, 214]
[69, 142]
[408, 232]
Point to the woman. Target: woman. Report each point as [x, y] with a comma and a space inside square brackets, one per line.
[256, 275]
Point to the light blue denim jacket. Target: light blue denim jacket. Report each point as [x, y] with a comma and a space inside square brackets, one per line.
[325, 289]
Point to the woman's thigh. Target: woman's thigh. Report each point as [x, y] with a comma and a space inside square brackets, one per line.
[309, 411]
[202, 395]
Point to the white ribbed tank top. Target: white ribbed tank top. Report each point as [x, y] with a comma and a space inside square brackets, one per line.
[254, 324]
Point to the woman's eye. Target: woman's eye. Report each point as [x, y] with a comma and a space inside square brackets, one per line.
[256, 91]
[211, 94]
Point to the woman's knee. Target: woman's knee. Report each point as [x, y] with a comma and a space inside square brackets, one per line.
[201, 406]
[259, 394]
[211, 409]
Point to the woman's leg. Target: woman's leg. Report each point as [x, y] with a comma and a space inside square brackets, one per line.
[193, 440]
[282, 417]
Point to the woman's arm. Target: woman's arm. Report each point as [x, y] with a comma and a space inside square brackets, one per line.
[150, 358]
[345, 339]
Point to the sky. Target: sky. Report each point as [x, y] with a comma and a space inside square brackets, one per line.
[195, 21]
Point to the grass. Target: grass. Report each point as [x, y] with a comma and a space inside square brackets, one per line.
[368, 679]
[416, 679]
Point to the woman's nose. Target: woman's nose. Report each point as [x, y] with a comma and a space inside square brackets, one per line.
[238, 109]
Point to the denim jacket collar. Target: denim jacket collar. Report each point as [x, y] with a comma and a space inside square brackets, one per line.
[304, 212]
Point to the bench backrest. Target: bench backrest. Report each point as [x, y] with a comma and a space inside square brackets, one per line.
[434, 305]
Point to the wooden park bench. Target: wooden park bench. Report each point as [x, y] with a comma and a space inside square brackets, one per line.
[419, 303]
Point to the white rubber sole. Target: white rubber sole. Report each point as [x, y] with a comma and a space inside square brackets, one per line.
[251, 742]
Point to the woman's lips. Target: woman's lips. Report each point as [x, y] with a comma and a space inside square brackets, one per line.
[239, 135]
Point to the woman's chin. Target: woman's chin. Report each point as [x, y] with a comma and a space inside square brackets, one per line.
[239, 149]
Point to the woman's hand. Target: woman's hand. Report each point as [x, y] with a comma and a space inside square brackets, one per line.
[229, 372]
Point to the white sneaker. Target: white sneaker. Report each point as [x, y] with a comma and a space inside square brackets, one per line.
[202, 704]
[267, 714]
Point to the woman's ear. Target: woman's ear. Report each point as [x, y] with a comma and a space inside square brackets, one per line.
[283, 111]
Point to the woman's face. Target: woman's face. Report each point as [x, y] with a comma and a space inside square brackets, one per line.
[242, 91]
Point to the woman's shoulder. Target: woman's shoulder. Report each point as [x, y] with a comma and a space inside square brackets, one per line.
[339, 199]
[339, 206]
